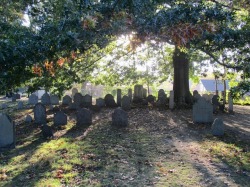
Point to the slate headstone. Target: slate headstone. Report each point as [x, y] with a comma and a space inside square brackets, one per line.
[20, 105]
[74, 91]
[119, 97]
[46, 131]
[230, 104]
[14, 98]
[40, 114]
[218, 127]
[100, 102]
[87, 101]
[54, 100]
[196, 96]
[45, 100]
[60, 118]
[95, 108]
[33, 99]
[151, 99]
[66, 100]
[119, 118]
[202, 111]
[162, 98]
[110, 101]
[138, 94]
[28, 119]
[7, 132]
[17, 96]
[171, 100]
[126, 105]
[83, 117]
[78, 99]
[4, 106]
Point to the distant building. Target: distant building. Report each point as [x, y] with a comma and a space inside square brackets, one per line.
[208, 85]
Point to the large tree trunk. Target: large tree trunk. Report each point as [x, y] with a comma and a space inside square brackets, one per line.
[181, 77]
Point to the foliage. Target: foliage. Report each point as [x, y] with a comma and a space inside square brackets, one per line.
[240, 90]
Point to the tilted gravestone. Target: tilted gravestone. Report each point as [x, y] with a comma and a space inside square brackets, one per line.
[28, 119]
[33, 99]
[162, 98]
[119, 97]
[171, 100]
[45, 100]
[67, 100]
[7, 132]
[83, 117]
[20, 105]
[40, 114]
[74, 91]
[100, 102]
[202, 111]
[119, 118]
[60, 118]
[138, 93]
[110, 101]
[87, 101]
[218, 127]
[54, 100]
[78, 99]
[126, 104]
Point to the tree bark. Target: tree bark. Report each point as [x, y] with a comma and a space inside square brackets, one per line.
[182, 93]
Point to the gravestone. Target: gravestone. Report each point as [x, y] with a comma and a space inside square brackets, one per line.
[96, 108]
[66, 100]
[119, 97]
[216, 104]
[150, 98]
[196, 96]
[17, 96]
[60, 118]
[171, 100]
[230, 104]
[206, 96]
[218, 127]
[119, 118]
[83, 117]
[45, 100]
[100, 102]
[78, 99]
[7, 132]
[28, 119]
[145, 93]
[54, 100]
[14, 98]
[20, 105]
[162, 98]
[73, 106]
[202, 111]
[40, 114]
[110, 101]
[46, 131]
[126, 105]
[33, 99]
[130, 94]
[4, 106]
[87, 101]
[74, 91]
[138, 93]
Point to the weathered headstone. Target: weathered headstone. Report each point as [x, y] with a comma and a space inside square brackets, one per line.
[196, 96]
[83, 117]
[40, 114]
[73, 106]
[14, 98]
[110, 101]
[120, 118]
[162, 98]
[87, 101]
[4, 106]
[17, 96]
[45, 100]
[230, 104]
[60, 118]
[119, 97]
[150, 98]
[74, 91]
[171, 100]
[7, 132]
[202, 111]
[96, 108]
[54, 100]
[218, 127]
[33, 99]
[66, 100]
[130, 94]
[100, 102]
[28, 119]
[20, 105]
[138, 93]
[46, 131]
[78, 99]
[126, 105]
[145, 93]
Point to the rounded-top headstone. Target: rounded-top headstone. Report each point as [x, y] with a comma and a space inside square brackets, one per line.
[126, 105]
[78, 99]
[110, 101]
[40, 114]
[45, 99]
[218, 127]
[33, 99]
[54, 100]
[83, 117]
[150, 98]
[119, 118]
[87, 100]
[60, 118]
[20, 105]
[7, 132]
[28, 119]
[100, 102]
[67, 100]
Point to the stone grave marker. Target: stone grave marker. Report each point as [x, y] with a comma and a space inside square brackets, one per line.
[17, 96]
[196, 96]
[67, 100]
[33, 99]
[171, 100]
[202, 111]
[40, 114]
[87, 101]
[206, 96]
[4, 106]
[83, 117]
[119, 97]
[54, 100]
[74, 91]
[151, 99]
[78, 99]
[162, 98]
[126, 105]
[45, 100]
[230, 104]
[138, 93]
[119, 118]
[20, 105]
[110, 101]
[218, 127]
[7, 132]
[28, 119]
[60, 118]
[13, 98]
[130, 94]
[100, 102]
[145, 93]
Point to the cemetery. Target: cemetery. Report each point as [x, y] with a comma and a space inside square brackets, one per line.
[124, 93]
